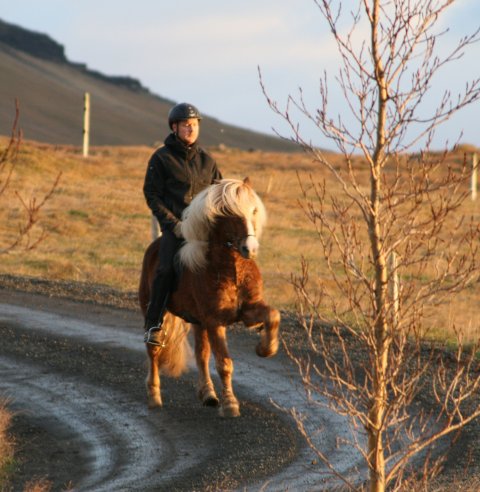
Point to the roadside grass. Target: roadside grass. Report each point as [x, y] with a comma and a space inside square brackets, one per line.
[7, 447]
[98, 224]
[42, 485]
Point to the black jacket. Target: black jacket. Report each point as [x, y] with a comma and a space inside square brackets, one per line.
[175, 174]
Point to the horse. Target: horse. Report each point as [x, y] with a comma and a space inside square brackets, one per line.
[219, 284]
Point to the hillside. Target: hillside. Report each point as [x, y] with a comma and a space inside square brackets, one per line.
[50, 89]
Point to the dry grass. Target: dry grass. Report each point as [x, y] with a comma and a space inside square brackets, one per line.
[42, 485]
[7, 456]
[98, 223]
[7, 447]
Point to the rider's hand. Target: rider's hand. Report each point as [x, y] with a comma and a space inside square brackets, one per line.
[177, 230]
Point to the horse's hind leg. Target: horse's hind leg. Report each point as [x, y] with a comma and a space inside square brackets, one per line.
[153, 377]
[206, 391]
[229, 404]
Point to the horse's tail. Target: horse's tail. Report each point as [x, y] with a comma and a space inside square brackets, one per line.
[173, 358]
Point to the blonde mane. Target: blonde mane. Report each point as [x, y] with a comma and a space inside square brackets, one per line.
[223, 198]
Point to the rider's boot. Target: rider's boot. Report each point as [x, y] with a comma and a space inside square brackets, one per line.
[153, 327]
[153, 330]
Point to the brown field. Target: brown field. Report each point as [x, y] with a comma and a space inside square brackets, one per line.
[98, 224]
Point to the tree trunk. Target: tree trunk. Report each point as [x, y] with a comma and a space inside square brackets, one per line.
[381, 341]
[377, 410]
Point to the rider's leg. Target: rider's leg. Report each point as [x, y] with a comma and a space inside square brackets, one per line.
[161, 287]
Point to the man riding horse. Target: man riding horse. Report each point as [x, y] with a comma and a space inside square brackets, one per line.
[176, 173]
[220, 285]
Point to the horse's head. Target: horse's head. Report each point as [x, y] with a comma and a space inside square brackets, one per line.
[245, 215]
[230, 207]
[236, 233]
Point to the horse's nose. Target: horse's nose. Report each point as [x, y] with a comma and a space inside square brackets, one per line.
[246, 253]
[249, 248]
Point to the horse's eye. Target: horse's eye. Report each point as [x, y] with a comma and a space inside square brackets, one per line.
[255, 211]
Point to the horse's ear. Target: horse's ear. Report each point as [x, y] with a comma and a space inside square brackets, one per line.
[246, 181]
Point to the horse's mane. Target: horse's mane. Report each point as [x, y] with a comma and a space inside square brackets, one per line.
[223, 198]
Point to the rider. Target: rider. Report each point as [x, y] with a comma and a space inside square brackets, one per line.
[176, 172]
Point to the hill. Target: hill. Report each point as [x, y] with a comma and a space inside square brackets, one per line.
[50, 89]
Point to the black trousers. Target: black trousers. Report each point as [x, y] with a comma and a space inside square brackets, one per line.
[164, 277]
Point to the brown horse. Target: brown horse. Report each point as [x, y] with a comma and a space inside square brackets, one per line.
[220, 284]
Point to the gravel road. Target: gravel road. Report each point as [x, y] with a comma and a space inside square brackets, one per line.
[74, 371]
[72, 364]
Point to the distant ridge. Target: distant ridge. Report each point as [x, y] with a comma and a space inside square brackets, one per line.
[50, 89]
[43, 46]
[33, 43]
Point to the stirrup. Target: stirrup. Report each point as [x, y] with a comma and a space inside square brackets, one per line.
[152, 337]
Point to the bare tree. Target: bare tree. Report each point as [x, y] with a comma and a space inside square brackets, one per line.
[371, 361]
[31, 207]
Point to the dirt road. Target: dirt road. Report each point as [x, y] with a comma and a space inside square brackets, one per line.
[75, 371]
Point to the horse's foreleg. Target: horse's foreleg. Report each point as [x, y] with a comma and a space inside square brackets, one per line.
[153, 377]
[262, 314]
[268, 345]
[224, 364]
[206, 391]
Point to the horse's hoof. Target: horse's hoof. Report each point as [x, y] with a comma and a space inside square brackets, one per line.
[154, 402]
[208, 397]
[265, 352]
[229, 411]
[211, 401]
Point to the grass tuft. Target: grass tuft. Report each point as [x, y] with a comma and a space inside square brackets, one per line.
[7, 447]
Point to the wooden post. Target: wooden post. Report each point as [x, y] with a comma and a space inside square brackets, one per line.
[474, 175]
[269, 185]
[394, 287]
[86, 123]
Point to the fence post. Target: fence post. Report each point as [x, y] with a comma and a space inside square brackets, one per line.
[474, 175]
[86, 124]
[394, 288]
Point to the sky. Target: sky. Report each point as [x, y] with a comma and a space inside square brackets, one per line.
[208, 52]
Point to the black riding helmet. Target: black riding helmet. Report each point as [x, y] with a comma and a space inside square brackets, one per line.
[181, 112]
